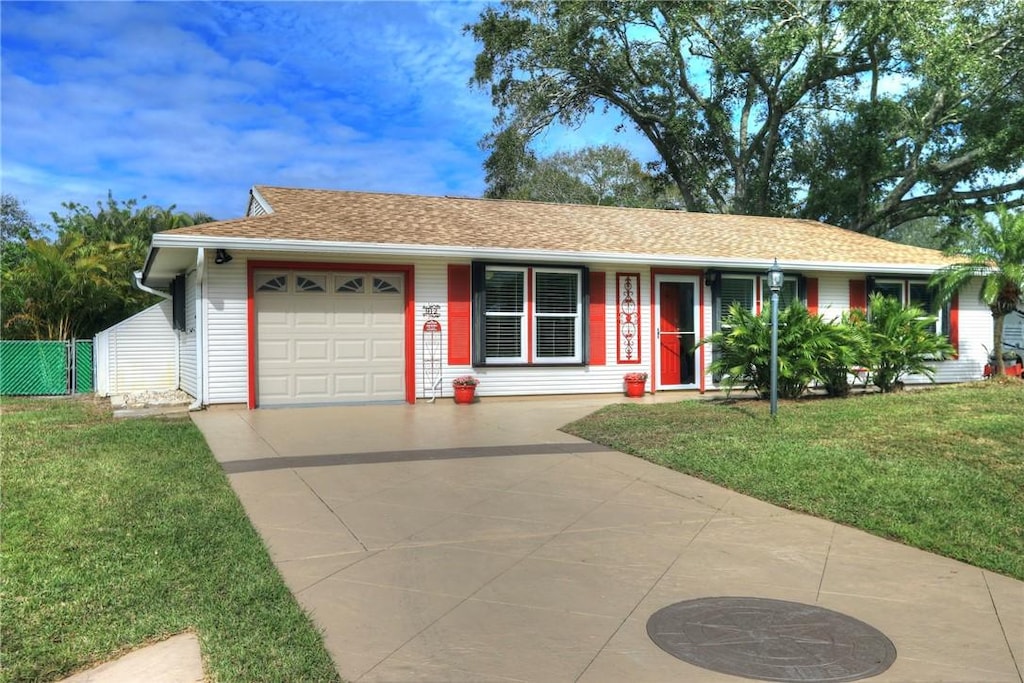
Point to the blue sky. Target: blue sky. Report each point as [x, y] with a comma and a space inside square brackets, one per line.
[192, 103]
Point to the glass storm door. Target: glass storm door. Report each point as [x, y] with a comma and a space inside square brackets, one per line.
[676, 311]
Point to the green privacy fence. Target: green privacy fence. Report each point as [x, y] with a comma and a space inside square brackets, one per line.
[45, 368]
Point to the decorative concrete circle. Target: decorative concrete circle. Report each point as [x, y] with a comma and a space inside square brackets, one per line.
[771, 640]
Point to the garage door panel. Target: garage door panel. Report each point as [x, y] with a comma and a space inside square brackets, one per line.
[312, 350]
[351, 310]
[387, 350]
[312, 386]
[387, 384]
[271, 318]
[350, 350]
[313, 319]
[330, 347]
[274, 387]
[350, 385]
[271, 350]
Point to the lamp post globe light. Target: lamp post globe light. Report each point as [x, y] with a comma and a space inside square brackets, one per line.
[775, 277]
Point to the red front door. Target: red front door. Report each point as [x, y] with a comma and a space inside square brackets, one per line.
[677, 334]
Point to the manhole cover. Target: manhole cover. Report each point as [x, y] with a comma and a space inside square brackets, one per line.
[771, 640]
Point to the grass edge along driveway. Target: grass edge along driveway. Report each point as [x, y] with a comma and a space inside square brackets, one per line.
[119, 533]
[941, 469]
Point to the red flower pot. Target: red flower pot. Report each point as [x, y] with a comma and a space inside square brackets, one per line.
[635, 388]
[464, 394]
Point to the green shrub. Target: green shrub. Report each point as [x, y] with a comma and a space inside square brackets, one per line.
[891, 341]
[848, 349]
[902, 341]
[744, 350]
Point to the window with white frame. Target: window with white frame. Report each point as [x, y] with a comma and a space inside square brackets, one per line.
[558, 316]
[912, 293]
[505, 315]
[528, 315]
[733, 288]
[728, 289]
[787, 295]
[737, 289]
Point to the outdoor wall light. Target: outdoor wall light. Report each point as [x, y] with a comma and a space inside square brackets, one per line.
[775, 279]
[222, 257]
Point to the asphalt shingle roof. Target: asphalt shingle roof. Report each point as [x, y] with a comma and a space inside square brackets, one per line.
[371, 218]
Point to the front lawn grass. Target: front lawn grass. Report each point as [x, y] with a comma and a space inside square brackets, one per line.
[941, 469]
[118, 533]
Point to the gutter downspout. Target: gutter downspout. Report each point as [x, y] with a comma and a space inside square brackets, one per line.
[200, 329]
[137, 281]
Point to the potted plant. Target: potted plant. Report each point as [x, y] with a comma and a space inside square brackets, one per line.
[635, 384]
[465, 388]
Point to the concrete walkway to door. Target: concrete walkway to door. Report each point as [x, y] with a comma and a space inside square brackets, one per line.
[477, 543]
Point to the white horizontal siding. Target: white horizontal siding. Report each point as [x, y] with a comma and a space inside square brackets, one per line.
[1013, 330]
[227, 372]
[431, 289]
[141, 352]
[101, 362]
[539, 380]
[187, 341]
[975, 335]
[227, 365]
[833, 294]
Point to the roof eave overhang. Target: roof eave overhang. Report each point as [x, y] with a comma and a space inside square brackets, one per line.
[161, 241]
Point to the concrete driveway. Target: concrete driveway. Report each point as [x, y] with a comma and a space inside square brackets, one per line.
[478, 543]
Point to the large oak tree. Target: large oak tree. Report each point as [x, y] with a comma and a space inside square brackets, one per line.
[865, 114]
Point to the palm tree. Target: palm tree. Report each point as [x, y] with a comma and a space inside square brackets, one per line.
[993, 251]
[60, 288]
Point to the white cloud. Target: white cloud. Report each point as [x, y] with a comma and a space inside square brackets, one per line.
[192, 103]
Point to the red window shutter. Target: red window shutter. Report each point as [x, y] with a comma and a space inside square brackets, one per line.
[597, 318]
[812, 295]
[460, 314]
[954, 324]
[858, 295]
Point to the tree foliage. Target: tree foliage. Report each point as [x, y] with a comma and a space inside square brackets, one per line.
[16, 228]
[864, 114]
[607, 174]
[993, 251]
[82, 281]
[61, 289]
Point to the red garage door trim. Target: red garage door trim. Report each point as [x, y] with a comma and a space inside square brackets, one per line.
[410, 312]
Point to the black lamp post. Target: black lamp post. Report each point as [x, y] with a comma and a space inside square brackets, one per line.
[775, 277]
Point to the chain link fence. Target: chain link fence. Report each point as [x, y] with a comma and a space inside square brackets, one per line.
[45, 368]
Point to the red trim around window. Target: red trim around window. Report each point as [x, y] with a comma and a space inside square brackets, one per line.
[954, 324]
[859, 295]
[410, 311]
[812, 295]
[699, 274]
[597, 313]
[460, 314]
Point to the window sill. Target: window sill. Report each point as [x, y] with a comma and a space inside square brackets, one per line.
[530, 365]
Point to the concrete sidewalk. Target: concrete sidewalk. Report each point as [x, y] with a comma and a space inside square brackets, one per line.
[175, 660]
[478, 543]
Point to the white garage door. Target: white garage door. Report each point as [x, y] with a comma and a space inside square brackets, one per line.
[329, 337]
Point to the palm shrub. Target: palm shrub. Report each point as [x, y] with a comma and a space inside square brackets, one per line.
[902, 341]
[847, 347]
[994, 252]
[744, 349]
